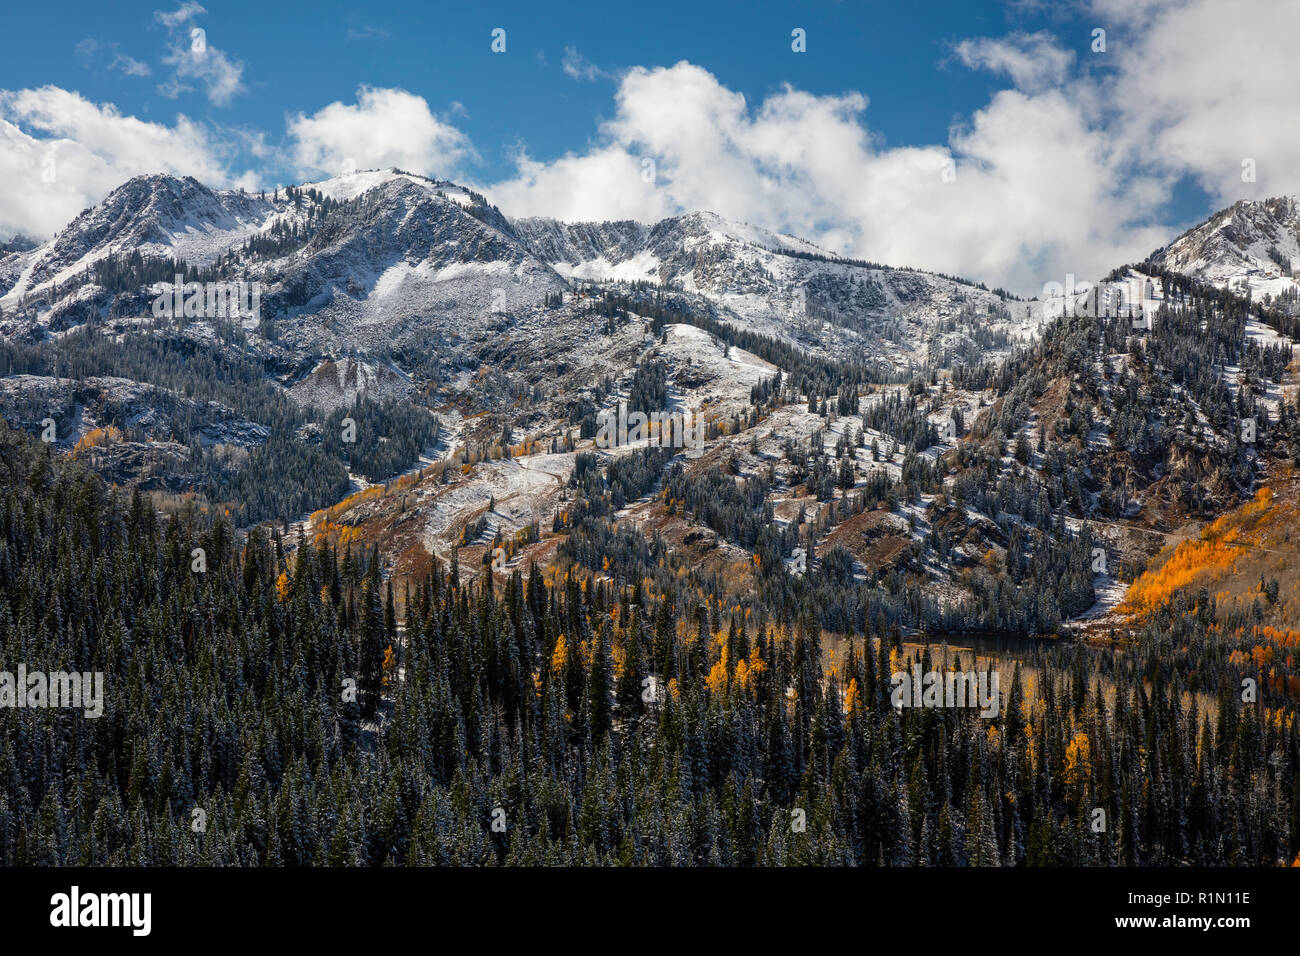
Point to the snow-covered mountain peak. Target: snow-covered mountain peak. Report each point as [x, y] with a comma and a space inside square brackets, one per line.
[350, 185]
[1252, 245]
[713, 228]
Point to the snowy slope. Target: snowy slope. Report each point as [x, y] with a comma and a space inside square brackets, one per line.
[783, 286]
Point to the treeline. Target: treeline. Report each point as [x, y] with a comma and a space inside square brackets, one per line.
[603, 487]
[1180, 284]
[384, 439]
[301, 466]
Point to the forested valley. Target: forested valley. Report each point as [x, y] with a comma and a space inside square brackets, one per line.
[562, 718]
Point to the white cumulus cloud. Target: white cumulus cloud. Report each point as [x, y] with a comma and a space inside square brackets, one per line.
[385, 127]
[1037, 190]
[60, 152]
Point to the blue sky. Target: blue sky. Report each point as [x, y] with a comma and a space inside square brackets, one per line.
[300, 56]
[1015, 95]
